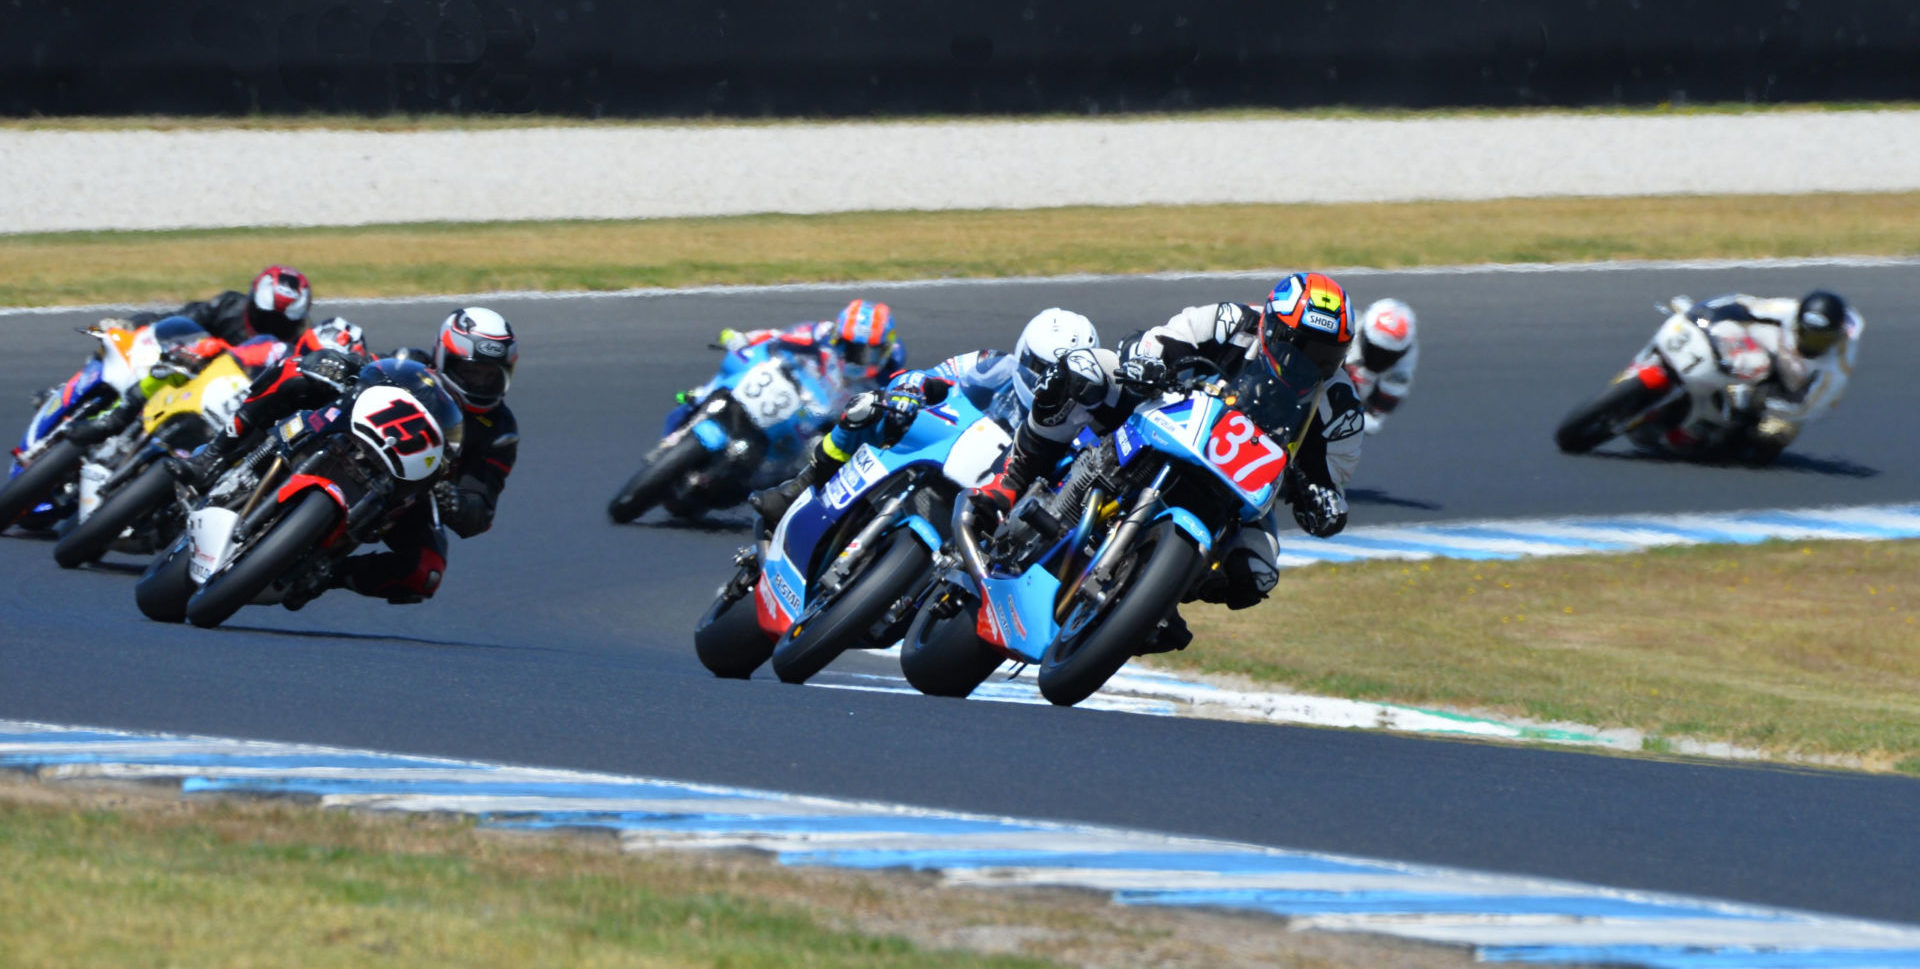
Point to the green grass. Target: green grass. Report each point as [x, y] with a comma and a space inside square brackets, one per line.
[401, 260]
[1806, 650]
[115, 878]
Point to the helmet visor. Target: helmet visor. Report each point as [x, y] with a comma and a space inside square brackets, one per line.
[1276, 390]
[1380, 359]
[1815, 342]
[481, 382]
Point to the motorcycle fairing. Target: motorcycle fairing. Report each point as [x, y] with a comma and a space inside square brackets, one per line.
[1186, 441]
[1021, 613]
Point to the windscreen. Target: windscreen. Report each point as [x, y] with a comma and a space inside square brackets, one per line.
[1276, 392]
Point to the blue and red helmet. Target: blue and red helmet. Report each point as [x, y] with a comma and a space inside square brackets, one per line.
[863, 337]
[1311, 312]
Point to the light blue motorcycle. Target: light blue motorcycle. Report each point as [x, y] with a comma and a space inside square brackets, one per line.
[749, 428]
[848, 563]
[1079, 578]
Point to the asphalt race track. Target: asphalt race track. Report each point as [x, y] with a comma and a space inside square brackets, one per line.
[561, 640]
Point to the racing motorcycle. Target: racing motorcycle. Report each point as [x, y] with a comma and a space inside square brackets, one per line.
[1078, 578]
[127, 497]
[43, 481]
[1685, 392]
[846, 565]
[749, 428]
[280, 520]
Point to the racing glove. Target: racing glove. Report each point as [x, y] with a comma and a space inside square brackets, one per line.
[465, 513]
[1319, 510]
[1148, 373]
[900, 403]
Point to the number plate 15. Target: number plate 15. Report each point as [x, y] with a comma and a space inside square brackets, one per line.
[1249, 458]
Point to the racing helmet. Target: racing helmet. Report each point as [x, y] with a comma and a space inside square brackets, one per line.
[863, 337]
[1309, 311]
[1046, 338]
[182, 341]
[334, 333]
[476, 353]
[278, 302]
[1386, 334]
[1819, 323]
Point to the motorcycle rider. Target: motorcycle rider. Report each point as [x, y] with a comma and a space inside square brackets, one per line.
[474, 354]
[275, 305]
[1099, 389]
[856, 351]
[1812, 342]
[185, 347]
[880, 417]
[1382, 357]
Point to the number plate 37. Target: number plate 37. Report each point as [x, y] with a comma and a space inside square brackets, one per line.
[1240, 450]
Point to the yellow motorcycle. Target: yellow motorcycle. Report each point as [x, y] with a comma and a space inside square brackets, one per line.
[128, 498]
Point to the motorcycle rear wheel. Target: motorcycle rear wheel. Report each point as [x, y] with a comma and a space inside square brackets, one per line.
[39, 480]
[654, 481]
[1079, 662]
[1596, 421]
[729, 640]
[165, 587]
[137, 499]
[947, 657]
[842, 622]
[295, 535]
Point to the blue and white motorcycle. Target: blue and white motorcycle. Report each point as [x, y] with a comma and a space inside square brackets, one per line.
[43, 481]
[749, 427]
[849, 562]
[1079, 578]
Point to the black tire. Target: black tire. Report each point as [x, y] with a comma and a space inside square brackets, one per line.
[842, 622]
[147, 492]
[295, 535]
[1597, 421]
[1075, 666]
[165, 587]
[39, 480]
[947, 657]
[729, 639]
[655, 481]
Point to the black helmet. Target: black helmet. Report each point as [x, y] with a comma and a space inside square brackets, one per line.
[1820, 323]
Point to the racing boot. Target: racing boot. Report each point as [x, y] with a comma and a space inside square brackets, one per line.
[772, 503]
[1172, 634]
[204, 467]
[89, 433]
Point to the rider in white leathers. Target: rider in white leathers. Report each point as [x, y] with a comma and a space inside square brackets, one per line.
[1099, 388]
[1813, 342]
[1382, 358]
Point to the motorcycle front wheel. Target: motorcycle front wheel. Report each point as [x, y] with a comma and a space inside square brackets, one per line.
[90, 539]
[654, 481]
[1598, 420]
[1096, 640]
[729, 640]
[39, 480]
[165, 587]
[296, 534]
[947, 657]
[844, 621]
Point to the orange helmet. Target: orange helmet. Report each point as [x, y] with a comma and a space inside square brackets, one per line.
[1309, 311]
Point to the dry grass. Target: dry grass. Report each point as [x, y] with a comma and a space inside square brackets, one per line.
[117, 875]
[71, 268]
[1795, 648]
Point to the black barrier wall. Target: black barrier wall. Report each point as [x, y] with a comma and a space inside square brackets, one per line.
[863, 57]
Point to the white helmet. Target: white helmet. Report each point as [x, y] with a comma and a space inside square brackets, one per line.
[1047, 338]
[1386, 334]
[475, 355]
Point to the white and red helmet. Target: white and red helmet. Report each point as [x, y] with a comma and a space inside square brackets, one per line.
[278, 303]
[1386, 334]
[475, 355]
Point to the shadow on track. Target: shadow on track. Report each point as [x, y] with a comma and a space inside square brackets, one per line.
[706, 523]
[1790, 462]
[384, 638]
[1374, 496]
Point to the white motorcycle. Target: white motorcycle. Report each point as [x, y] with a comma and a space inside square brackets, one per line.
[1687, 392]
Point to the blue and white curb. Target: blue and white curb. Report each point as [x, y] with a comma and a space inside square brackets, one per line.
[1522, 538]
[1501, 918]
